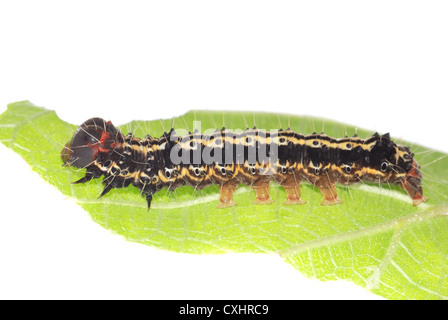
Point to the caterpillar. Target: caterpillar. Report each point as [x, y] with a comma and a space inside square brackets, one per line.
[252, 157]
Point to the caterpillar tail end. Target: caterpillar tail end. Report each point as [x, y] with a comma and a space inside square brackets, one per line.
[412, 184]
[419, 200]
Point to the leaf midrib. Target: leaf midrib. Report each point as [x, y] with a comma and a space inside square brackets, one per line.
[396, 225]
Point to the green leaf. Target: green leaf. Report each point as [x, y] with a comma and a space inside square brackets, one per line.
[376, 238]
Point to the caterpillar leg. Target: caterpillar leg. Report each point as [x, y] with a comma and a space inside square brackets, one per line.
[148, 192]
[226, 194]
[148, 199]
[91, 173]
[84, 179]
[261, 188]
[292, 188]
[330, 195]
[105, 190]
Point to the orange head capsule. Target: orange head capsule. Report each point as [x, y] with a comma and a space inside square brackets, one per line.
[91, 138]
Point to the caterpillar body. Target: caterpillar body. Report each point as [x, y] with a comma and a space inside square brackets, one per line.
[252, 157]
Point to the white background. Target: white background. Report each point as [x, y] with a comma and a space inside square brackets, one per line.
[381, 65]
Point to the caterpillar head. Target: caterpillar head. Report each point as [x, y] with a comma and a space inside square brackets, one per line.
[91, 138]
